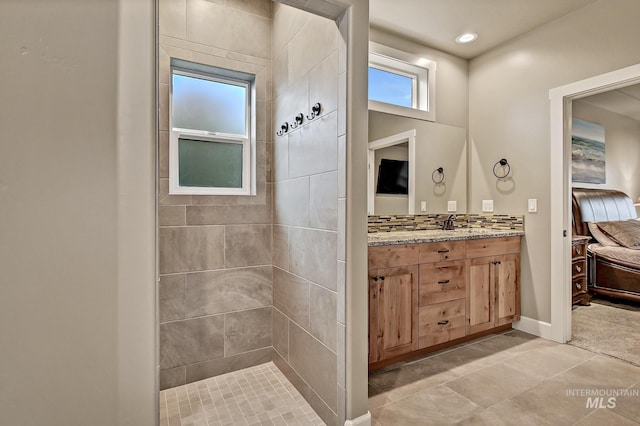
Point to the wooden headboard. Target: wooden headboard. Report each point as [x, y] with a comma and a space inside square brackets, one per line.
[599, 205]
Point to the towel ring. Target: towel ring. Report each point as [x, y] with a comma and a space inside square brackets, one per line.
[503, 162]
[438, 172]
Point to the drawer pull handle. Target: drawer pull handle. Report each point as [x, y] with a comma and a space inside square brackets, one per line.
[443, 282]
[443, 251]
[578, 268]
[382, 278]
[578, 286]
[445, 322]
[578, 250]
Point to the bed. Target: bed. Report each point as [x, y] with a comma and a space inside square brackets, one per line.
[613, 254]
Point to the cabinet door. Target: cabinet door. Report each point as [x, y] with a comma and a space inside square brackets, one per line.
[373, 315]
[480, 294]
[397, 305]
[507, 289]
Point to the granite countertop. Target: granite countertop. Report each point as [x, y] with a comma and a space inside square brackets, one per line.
[434, 235]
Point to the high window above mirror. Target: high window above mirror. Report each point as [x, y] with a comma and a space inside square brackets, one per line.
[401, 83]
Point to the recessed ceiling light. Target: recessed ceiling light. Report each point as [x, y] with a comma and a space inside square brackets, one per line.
[466, 37]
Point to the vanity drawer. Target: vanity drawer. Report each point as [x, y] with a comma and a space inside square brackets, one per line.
[441, 282]
[442, 251]
[393, 255]
[441, 322]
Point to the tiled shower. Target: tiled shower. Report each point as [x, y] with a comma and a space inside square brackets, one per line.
[249, 279]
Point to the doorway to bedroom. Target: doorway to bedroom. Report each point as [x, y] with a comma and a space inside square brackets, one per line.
[596, 133]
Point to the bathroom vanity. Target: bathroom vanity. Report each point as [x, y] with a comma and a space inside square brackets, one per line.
[432, 289]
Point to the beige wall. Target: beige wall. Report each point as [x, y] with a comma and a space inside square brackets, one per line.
[309, 209]
[452, 77]
[77, 299]
[509, 117]
[215, 286]
[622, 148]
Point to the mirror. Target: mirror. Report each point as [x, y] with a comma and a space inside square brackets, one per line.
[435, 146]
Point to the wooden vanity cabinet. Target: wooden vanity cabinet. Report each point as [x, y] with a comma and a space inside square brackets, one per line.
[423, 297]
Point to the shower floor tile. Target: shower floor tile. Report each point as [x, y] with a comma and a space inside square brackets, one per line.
[259, 395]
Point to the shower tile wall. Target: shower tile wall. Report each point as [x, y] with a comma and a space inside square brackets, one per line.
[215, 284]
[309, 209]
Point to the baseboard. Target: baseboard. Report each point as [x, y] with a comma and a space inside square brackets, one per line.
[363, 420]
[535, 327]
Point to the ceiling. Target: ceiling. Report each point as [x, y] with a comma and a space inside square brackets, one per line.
[436, 23]
[624, 101]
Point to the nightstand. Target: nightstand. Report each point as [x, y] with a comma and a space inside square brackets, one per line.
[579, 292]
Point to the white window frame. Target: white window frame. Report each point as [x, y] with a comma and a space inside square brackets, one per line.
[247, 140]
[421, 70]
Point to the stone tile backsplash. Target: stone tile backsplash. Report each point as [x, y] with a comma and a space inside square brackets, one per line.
[389, 223]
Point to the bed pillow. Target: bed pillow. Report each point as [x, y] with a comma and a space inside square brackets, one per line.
[624, 232]
[600, 236]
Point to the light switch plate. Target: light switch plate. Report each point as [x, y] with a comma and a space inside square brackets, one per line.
[532, 205]
[423, 206]
[452, 206]
[487, 206]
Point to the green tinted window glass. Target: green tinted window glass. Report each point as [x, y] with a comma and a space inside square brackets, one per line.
[210, 164]
[201, 104]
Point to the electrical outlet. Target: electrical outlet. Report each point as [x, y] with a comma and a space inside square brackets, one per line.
[532, 205]
[423, 206]
[487, 206]
[452, 206]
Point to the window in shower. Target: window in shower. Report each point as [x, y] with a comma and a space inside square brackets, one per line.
[211, 140]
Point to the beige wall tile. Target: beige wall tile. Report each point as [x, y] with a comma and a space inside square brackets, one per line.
[186, 249]
[316, 149]
[327, 415]
[291, 202]
[322, 315]
[247, 330]
[289, 21]
[163, 155]
[342, 166]
[342, 355]
[263, 196]
[191, 341]
[215, 25]
[257, 7]
[280, 326]
[172, 19]
[165, 199]
[323, 83]
[342, 228]
[163, 102]
[171, 297]
[323, 201]
[214, 200]
[171, 215]
[219, 366]
[294, 99]
[247, 245]
[281, 246]
[291, 296]
[315, 363]
[281, 158]
[340, 280]
[315, 255]
[342, 104]
[228, 215]
[305, 52]
[215, 292]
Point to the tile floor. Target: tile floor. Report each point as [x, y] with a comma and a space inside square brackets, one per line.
[259, 395]
[507, 379]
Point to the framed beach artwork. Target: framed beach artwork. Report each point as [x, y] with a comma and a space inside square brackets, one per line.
[587, 152]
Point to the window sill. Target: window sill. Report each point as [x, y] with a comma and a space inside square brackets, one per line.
[402, 111]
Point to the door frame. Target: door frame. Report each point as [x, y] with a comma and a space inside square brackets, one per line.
[561, 99]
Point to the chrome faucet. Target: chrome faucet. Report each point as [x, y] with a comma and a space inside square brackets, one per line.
[448, 224]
